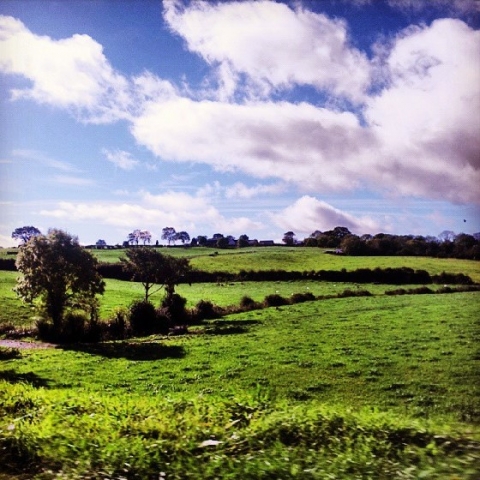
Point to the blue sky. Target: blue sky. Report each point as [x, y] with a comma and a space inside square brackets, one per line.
[251, 117]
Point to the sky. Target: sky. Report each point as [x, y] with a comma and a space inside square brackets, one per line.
[245, 117]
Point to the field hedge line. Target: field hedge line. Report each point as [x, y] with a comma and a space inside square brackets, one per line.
[391, 276]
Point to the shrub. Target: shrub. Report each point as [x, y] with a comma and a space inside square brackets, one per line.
[206, 310]
[45, 330]
[117, 326]
[421, 290]
[248, 303]
[274, 300]
[173, 308]
[73, 327]
[142, 317]
[302, 297]
[354, 293]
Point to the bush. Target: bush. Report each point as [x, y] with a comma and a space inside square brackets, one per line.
[248, 303]
[117, 326]
[421, 290]
[302, 297]
[73, 328]
[205, 310]
[354, 293]
[274, 300]
[142, 317]
[45, 330]
[173, 308]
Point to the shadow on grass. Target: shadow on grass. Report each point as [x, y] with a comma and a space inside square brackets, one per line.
[227, 327]
[234, 323]
[33, 379]
[130, 350]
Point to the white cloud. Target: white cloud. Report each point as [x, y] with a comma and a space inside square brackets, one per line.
[74, 74]
[307, 145]
[120, 159]
[40, 157]
[240, 190]
[308, 214]
[273, 45]
[73, 181]
[71, 73]
[146, 210]
[7, 241]
[451, 6]
[427, 118]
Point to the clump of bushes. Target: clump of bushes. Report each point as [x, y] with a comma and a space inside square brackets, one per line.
[75, 327]
[248, 303]
[142, 317]
[354, 293]
[206, 310]
[302, 297]
[274, 300]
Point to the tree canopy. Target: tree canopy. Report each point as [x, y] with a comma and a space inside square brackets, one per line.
[25, 233]
[151, 268]
[60, 273]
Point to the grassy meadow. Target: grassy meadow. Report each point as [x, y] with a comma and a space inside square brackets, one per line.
[342, 388]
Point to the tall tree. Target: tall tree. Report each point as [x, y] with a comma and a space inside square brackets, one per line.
[168, 234]
[25, 233]
[183, 236]
[152, 268]
[59, 272]
[288, 238]
[145, 236]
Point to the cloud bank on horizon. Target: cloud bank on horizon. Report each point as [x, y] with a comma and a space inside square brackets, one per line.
[290, 102]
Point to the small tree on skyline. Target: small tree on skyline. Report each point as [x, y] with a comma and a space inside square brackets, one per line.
[25, 233]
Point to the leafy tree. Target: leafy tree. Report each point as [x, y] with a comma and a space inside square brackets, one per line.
[243, 241]
[288, 238]
[133, 237]
[25, 233]
[100, 243]
[152, 268]
[184, 237]
[60, 273]
[169, 233]
[202, 240]
[222, 242]
[145, 236]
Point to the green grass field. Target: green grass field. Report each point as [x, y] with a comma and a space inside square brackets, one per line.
[299, 391]
[294, 259]
[346, 388]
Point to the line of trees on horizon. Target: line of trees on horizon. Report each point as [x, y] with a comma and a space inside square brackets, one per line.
[447, 244]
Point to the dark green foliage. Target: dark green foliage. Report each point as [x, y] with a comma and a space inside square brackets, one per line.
[354, 293]
[142, 318]
[247, 303]
[173, 308]
[274, 300]
[60, 273]
[8, 264]
[117, 326]
[302, 297]
[205, 310]
[152, 268]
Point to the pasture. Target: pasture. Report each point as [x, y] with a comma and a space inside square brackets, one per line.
[349, 388]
